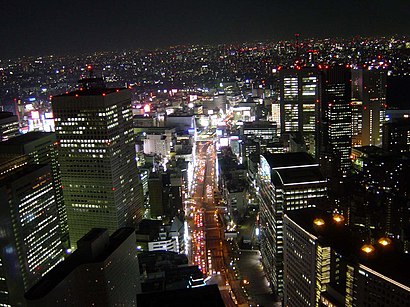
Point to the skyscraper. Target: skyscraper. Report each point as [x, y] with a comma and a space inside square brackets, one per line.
[40, 148]
[328, 264]
[369, 87]
[30, 242]
[9, 126]
[396, 136]
[335, 134]
[300, 95]
[103, 271]
[286, 182]
[99, 174]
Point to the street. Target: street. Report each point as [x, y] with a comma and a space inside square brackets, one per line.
[206, 231]
[237, 273]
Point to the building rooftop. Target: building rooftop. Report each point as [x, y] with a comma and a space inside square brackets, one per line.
[297, 175]
[259, 124]
[6, 115]
[155, 261]
[150, 228]
[389, 261]
[288, 159]
[27, 138]
[91, 92]
[236, 185]
[21, 170]
[76, 259]
[368, 150]
[207, 296]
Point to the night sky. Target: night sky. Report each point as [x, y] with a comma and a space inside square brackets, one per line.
[40, 27]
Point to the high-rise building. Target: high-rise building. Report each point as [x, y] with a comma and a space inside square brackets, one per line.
[357, 123]
[9, 126]
[397, 97]
[335, 133]
[103, 271]
[41, 148]
[99, 174]
[257, 136]
[259, 130]
[10, 162]
[369, 87]
[31, 239]
[327, 264]
[300, 95]
[286, 182]
[396, 136]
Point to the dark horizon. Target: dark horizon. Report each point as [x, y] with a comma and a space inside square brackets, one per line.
[90, 52]
[30, 28]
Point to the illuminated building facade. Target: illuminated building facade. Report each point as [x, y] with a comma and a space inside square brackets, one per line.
[386, 175]
[41, 148]
[286, 182]
[336, 118]
[9, 126]
[262, 130]
[158, 144]
[327, 264]
[10, 162]
[257, 136]
[357, 123]
[396, 136]
[103, 271]
[99, 174]
[31, 239]
[369, 88]
[300, 95]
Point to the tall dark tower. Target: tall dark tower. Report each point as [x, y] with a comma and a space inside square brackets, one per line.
[41, 148]
[369, 88]
[335, 133]
[99, 174]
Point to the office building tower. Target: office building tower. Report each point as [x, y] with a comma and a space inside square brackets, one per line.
[300, 95]
[369, 88]
[327, 264]
[99, 174]
[286, 182]
[31, 240]
[41, 148]
[275, 117]
[256, 137]
[388, 175]
[103, 271]
[357, 123]
[396, 136]
[397, 97]
[10, 162]
[335, 134]
[259, 130]
[9, 126]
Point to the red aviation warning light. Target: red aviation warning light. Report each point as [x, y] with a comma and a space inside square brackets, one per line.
[90, 71]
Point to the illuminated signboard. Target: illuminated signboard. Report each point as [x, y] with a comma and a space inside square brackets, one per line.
[35, 115]
[265, 169]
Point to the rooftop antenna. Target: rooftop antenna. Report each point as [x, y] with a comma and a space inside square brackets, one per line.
[92, 82]
[297, 46]
[297, 42]
[90, 71]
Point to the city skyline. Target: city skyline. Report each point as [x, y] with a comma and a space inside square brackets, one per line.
[48, 28]
[230, 153]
